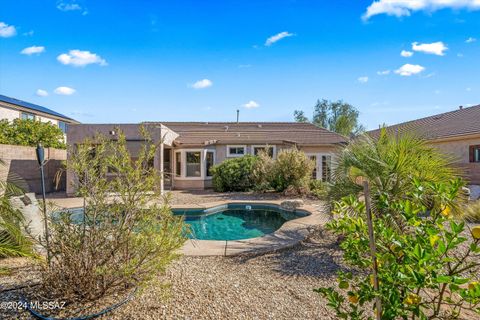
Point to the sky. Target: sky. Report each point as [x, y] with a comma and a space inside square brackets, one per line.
[131, 61]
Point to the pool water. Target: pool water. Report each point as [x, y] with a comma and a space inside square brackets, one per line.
[234, 223]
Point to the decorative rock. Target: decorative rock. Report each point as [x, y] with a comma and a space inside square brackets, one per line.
[291, 204]
[473, 192]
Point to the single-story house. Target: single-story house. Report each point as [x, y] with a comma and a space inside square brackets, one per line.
[11, 109]
[456, 133]
[189, 149]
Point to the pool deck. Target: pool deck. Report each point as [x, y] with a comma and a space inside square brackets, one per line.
[289, 234]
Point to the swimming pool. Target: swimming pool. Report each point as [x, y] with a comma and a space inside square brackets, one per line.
[235, 221]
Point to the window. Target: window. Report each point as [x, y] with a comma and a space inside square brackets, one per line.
[27, 116]
[314, 172]
[235, 151]
[63, 126]
[193, 164]
[474, 153]
[270, 150]
[209, 161]
[326, 168]
[178, 163]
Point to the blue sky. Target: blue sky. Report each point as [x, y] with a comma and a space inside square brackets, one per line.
[131, 61]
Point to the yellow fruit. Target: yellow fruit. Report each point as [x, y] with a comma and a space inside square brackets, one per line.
[446, 212]
[412, 299]
[434, 239]
[472, 285]
[476, 232]
[353, 299]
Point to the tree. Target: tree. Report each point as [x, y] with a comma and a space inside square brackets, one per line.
[337, 116]
[25, 132]
[300, 116]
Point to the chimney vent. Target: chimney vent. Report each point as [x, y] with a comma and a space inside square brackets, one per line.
[461, 107]
[238, 115]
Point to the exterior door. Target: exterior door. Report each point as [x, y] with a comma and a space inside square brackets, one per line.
[323, 166]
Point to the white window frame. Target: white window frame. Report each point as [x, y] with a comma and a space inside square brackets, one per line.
[183, 159]
[265, 146]
[319, 165]
[229, 155]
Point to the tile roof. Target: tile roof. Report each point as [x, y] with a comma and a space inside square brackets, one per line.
[34, 107]
[460, 122]
[197, 133]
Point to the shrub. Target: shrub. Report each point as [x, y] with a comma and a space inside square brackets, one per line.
[30, 133]
[292, 171]
[391, 164]
[128, 233]
[472, 211]
[423, 272]
[234, 174]
[262, 172]
[319, 189]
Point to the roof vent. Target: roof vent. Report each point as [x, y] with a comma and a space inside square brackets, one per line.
[259, 125]
[238, 134]
[460, 107]
[226, 128]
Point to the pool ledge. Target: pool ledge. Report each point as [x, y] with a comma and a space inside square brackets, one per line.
[289, 234]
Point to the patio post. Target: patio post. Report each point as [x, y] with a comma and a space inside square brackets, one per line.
[162, 176]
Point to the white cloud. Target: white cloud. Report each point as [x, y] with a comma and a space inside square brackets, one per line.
[33, 50]
[470, 40]
[251, 104]
[409, 69]
[436, 48]
[29, 33]
[68, 6]
[383, 72]
[363, 79]
[460, 55]
[64, 91]
[7, 31]
[406, 53]
[468, 89]
[80, 58]
[202, 84]
[41, 93]
[278, 37]
[401, 8]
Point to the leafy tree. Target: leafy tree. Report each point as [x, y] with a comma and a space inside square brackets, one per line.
[25, 132]
[337, 116]
[292, 171]
[120, 241]
[423, 271]
[300, 116]
[391, 164]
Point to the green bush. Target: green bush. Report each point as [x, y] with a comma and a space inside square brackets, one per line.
[292, 171]
[262, 172]
[423, 271]
[234, 174]
[30, 133]
[319, 189]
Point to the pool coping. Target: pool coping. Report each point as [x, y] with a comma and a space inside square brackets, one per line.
[288, 235]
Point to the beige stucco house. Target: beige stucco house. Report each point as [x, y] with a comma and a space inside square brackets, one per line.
[190, 149]
[11, 109]
[456, 133]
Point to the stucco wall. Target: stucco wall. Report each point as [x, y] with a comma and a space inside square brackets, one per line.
[22, 162]
[9, 114]
[459, 150]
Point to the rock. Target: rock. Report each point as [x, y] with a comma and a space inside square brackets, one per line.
[474, 192]
[291, 204]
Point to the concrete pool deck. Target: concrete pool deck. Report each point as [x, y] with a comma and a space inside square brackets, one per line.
[289, 234]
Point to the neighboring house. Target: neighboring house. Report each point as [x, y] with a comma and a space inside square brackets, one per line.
[456, 133]
[190, 149]
[11, 109]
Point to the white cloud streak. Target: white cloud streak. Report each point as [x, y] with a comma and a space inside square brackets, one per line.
[79, 58]
[437, 48]
[399, 8]
[64, 91]
[41, 93]
[363, 79]
[68, 6]
[406, 54]
[33, 50]
[470, 40]
[279, 36]
[251, 104]
[409, 69]
[383, 72]
[7, 31]
[202, 84]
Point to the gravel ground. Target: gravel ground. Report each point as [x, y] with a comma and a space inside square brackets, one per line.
[273, 286]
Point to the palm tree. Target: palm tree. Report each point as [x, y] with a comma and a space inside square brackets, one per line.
[13, 241]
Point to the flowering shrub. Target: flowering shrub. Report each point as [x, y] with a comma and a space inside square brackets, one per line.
[427, 263]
